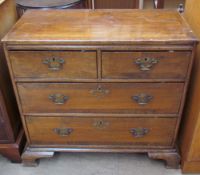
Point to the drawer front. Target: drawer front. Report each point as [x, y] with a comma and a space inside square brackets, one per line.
[54, 64]
[102, 130]
[142, 98]
[145, 65]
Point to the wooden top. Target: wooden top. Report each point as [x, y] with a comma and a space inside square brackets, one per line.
[100, 27]
[45, 3]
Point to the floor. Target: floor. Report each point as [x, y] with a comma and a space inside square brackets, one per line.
[90, 164]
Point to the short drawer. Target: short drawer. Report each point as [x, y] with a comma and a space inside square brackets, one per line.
[142, 98]
[145, 65]
[102, 130]
[54, 64]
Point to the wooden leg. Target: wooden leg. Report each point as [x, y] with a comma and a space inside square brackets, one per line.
[172, 158]
[31, 158]
[13, 151]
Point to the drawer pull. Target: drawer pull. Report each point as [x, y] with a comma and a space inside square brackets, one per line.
[100, 124]
[58, 98]
[99, 92]
[142, 99]
[139, 132]
[146, 64]
[54, 64]
[63, 132]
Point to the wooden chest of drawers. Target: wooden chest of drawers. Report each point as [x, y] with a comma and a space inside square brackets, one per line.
[101, 81]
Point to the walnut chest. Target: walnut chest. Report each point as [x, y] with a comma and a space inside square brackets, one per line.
[101, 81]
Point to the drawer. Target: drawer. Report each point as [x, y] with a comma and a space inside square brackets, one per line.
[142, 98]
[145, 65]
[102, 130]
[54, 64]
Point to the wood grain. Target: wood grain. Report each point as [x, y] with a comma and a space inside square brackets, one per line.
[111, 132]
[172, 159]
[14, 149]
[123, 65]
[100, 27]
[77, 64]
[9, 112]
[11, 138]
[189, 140]
[116, 99]
[154, 103]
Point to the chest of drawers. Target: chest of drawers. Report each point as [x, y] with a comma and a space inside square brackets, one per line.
[101, 81]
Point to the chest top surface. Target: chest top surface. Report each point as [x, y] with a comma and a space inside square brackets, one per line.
[100, 27]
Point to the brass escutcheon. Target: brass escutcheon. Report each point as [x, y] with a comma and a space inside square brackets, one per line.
[145, 64]
[54, 64]
[100, 124]
[99, 92]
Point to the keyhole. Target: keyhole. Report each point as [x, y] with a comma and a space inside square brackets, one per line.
[100, 123]
[99, 88]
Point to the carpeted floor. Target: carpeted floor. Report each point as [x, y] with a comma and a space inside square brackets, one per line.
[90, 164]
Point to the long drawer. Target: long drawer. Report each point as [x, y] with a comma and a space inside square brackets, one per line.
[102, 130]
[145, 65]
[54, 64]
[137, 98]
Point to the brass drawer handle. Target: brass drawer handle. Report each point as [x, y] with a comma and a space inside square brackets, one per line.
[58, 98]
[142, 98]
[63, 131]
[139, 132]
[99, 92]
[54, 64]
[145, 64]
